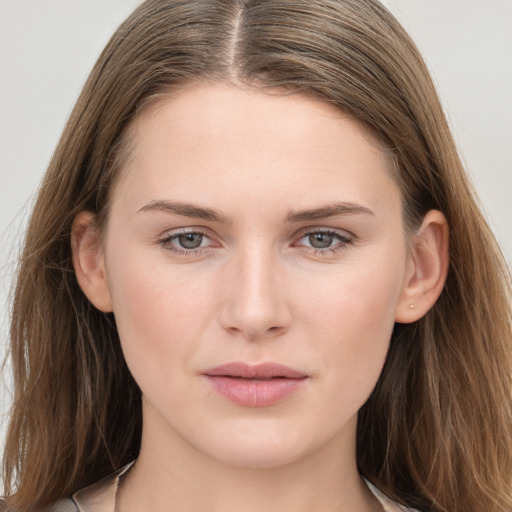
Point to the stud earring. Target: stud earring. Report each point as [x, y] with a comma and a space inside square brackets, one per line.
[411, 306]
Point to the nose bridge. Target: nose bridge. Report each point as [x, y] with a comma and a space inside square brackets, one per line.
[255, 303]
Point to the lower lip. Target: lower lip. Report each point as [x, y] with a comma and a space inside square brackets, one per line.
[253, 392]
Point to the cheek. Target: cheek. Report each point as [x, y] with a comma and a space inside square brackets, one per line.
[160, 312]
[362, 293]
[358, 309]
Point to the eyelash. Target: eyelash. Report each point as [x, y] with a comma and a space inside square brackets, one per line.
[344, 239]
[166, 243]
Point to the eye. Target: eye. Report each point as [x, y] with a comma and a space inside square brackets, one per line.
[321, 240]
[187, 242]
[190, 240]
[325, 240]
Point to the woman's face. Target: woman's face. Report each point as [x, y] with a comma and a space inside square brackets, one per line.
[252, 229]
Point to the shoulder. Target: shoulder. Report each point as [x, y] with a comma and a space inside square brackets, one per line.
[387, 504]
[65, 505]
[98, 497]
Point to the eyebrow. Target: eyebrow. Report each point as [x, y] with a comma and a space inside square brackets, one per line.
[186, 210]
[209, 214]
[343, 208]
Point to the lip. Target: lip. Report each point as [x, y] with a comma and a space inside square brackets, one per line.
[258, 385]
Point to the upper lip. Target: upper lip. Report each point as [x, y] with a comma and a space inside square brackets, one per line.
[255, 371]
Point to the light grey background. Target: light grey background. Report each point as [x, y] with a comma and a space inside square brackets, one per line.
[47, 48]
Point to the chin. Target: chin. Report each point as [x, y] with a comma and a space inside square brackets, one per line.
[260, 456]
[260, 448]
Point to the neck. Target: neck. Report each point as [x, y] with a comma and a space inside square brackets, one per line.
[172, 475]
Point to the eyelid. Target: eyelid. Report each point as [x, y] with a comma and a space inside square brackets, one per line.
[172, 232]
[311, 230]
[166, 238]
[345, 238]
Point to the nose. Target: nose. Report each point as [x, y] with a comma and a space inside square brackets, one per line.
[254, 296]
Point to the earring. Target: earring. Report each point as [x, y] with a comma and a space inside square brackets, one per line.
[411, 306]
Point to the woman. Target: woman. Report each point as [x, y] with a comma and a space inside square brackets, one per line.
[256, 268]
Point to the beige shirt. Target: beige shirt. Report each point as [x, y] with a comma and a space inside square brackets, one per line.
[101, 497]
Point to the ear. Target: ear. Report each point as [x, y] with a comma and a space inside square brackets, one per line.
[427, 268]
[89, 261]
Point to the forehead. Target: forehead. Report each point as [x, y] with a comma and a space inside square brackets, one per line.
[214, 140]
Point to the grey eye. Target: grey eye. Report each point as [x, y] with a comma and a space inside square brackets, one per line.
[320, 240]
[190, 240]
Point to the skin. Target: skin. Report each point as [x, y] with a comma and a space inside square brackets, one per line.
[255, 290]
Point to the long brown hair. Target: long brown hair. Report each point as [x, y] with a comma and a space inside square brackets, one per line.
[436, 433]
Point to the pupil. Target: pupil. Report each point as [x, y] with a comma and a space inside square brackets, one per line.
[320, 240]
[190, 240]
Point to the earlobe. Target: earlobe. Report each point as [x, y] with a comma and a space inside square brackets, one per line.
[89, 262]
[428, 268]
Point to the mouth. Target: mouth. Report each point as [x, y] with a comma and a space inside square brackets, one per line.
[263, 371]
[259, 385]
